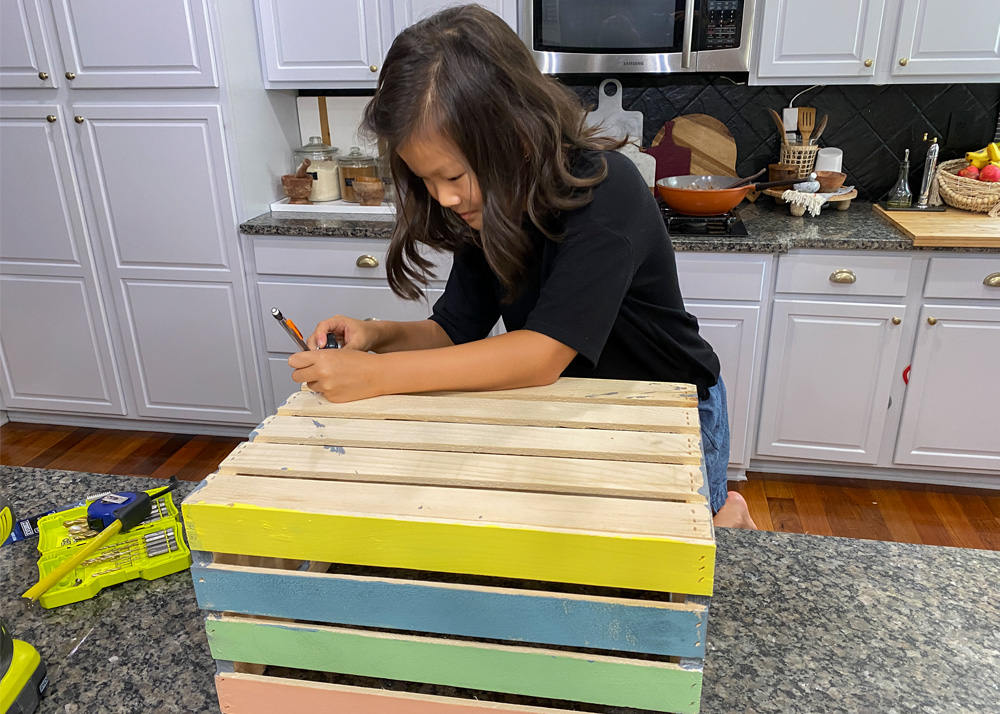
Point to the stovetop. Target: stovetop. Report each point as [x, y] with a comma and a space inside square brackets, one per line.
[679, 224]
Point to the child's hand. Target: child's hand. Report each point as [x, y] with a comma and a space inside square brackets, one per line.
[341, 375]
[351, 334]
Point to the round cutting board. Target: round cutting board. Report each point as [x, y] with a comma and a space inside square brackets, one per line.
[713, 148]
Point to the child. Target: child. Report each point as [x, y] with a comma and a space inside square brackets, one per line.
[549, 230]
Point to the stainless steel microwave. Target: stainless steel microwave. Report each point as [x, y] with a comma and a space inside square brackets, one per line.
[618, 36]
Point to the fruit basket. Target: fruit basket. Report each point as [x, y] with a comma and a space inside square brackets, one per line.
[965, 193]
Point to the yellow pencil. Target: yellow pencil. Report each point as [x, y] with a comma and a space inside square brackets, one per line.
[43, 585]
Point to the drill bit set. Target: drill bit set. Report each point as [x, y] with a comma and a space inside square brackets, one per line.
[151, 549]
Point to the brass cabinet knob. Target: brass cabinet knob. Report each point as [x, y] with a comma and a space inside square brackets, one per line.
[373, 68]
[43, 76]
[78, 119]
[896, 320]
[931, 320]
[843, 275]
[869, 62]
[367, 261]
[71, 75]
[992, 280]
[51, 118]
[903, 62]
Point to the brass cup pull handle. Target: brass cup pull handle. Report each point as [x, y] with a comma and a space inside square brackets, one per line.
[992, 280]
[896, 321]
[843, 276]
[371, 319]
[931, 320]
[367, 261]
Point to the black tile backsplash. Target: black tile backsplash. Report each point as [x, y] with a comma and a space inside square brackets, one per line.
[873, 125]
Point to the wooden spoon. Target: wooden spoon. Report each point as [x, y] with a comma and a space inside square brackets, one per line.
[780, 124]
[820, 129]
[807, 122]
[745, 181]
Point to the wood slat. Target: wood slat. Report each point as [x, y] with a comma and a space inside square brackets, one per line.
[483, 439]
[483, 471]
[649, 545]
[513, 412]
[254, 694]
[537, 672]
[475, 611]
[604, 391]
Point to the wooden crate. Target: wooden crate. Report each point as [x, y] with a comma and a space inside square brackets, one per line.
[519, 551]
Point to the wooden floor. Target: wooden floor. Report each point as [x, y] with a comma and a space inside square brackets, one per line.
[853, 508]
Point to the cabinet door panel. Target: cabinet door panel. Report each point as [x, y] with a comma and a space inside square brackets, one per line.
[939, 37]
[408, 12]
[826, 384]
[308, 303]
[77, 373]
[732, 332]
[24, 51]
[187, 351]
[949, 417]
[119, 43]
[796, 42]
[160, 184]
[36, 171]
[320, 40]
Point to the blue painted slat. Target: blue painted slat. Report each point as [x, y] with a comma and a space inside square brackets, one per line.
[422, 606]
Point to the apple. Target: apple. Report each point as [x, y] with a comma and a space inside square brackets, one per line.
[970, 172]
[990, 172]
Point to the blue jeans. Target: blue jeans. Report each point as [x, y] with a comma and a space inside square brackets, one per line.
[714, 416]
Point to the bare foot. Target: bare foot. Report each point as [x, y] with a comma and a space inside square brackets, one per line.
[734, 513]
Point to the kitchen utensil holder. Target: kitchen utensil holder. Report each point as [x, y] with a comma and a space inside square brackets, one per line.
[801, 156]
[965, 193]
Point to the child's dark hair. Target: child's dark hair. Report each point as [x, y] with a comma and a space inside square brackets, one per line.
[465, 73]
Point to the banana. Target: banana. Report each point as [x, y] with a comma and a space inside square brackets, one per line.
[993, 151]
[979, 159]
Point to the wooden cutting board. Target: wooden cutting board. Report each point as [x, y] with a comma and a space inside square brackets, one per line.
[951, 228]
[713, 148]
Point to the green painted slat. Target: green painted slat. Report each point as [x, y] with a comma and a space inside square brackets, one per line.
[532, 672]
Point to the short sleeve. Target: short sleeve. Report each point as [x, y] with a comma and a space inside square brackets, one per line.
[470, 306]
[590, 274]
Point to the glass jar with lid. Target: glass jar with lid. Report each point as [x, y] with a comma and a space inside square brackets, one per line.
[322, 167]
[352, 166]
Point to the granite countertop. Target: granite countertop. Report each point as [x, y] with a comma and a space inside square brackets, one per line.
[798, 624]
[772, 230]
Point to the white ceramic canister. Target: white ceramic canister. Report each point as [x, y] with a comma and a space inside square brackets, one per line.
[829, 159]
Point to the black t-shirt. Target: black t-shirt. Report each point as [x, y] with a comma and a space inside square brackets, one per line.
[608, 289]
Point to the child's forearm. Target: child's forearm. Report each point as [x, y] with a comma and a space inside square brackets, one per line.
[407, 336]
[516, 359]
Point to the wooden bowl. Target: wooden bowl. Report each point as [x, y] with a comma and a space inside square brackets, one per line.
[369, 191]
[830, 181]
[779, 172]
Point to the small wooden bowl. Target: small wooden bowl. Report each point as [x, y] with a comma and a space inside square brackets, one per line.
[369, 191]
[780, 172]
[297, 189]
[830, 181]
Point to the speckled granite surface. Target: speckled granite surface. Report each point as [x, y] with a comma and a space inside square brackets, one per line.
[772, 230]
[798, 624]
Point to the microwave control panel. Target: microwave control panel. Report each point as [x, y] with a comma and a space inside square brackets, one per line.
[721, 25]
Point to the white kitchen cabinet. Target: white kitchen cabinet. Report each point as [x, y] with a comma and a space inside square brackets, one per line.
[827, 379]
[725, 292]
[25, 59]
[165, 210]
[336, 43]
[340, 44]
[800, 38]
[55, 344]
[120, 43]
[877, 42]
[943, 37]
